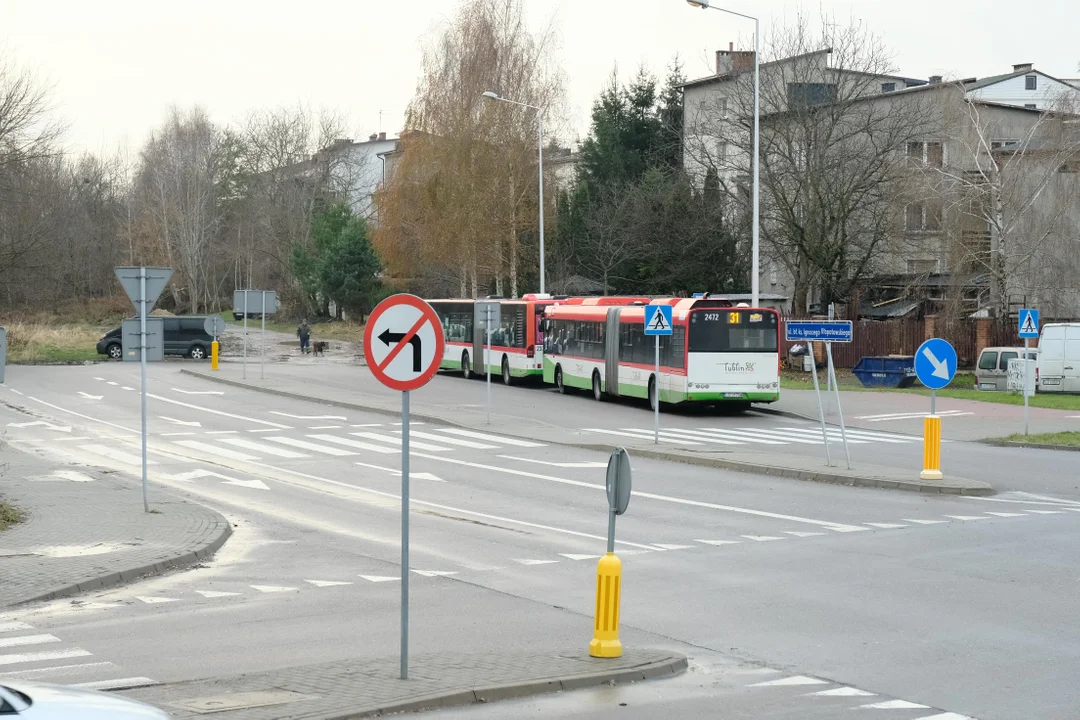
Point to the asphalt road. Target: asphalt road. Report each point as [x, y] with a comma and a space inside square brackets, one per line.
[932, 604]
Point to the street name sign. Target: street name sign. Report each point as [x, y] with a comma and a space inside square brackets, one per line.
[935, 363]
[658, 320]
[819, 330]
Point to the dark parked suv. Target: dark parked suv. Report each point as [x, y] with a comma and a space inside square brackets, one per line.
[184, 336]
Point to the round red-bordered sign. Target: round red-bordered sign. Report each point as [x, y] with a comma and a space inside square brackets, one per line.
[403, 342]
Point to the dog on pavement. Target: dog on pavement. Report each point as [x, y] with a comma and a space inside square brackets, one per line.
[319, 347]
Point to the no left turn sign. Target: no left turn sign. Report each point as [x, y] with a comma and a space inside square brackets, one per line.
[403, 342]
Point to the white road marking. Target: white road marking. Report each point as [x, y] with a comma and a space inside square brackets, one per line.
[273, 588]
[110, 382]
[222, 432]
[449, 440]
[887, 526]
[491, 438]
[263, 447]
[22, 640]
[945, 716]
[179, 434]
[118, 455]
[894, 705]
[120, 684]
[852, 435]
[702, 437]
[46, 425]
[379, 578]
[55, 670]
[925, 522]
[100, 378]
[327, 583]
[311, 446]
[640, 436]
[189, 423]
[395, 471]
[153, 600]
[216, 593]
[1005, 514]
[256, 484]
[736, 434]
[1059, 503]
[199, 392]
[100, 606]
[1046, 512]
[14, 625]
[762, 538]
[839, 527]
[126, 387]
[535, 562]
[324, 427]
[968, 517]
[86, 417]
[215, 450]
[310, 417]
[217, 412]
[380, 424]
[395, 440]
[435, 573]
[262, 430]
[576, 556]
[20, 658]
[17, 392]
[720, 542]
[88, 396]
[557, 464]
[843, 692]
[353, 444]
[666, 546]
[791, 681]
[68, 476]
[802, 534]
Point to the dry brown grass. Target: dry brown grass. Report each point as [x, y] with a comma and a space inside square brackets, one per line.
[67, 333]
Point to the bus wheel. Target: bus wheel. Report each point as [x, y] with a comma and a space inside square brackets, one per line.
[653, 400]
[559, 379]
[597, 391]
[508, 379]
[466, 368]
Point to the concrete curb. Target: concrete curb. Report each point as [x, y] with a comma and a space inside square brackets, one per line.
[970, 488]
[123, 577]
[1033, 446]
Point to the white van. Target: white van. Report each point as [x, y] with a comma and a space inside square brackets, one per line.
[1059, 358]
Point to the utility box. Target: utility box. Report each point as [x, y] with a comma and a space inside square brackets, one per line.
[132, 340]
[1015, 381]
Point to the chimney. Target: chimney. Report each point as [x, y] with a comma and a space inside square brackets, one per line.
[1022, 67]
[372, 137]
[935, 79]
[734, 61]
[382, 136]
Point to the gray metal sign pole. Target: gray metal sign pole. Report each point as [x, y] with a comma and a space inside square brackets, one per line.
[656, 410]
[405, 535]
[487, 360]
[839, 409]
[1027, 411]
[245, 334]
[821, 408]
[142, 364]
[262, 351]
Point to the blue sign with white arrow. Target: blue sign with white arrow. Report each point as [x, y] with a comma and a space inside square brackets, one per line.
[1029, 323]
[658, 320]
[935, 363]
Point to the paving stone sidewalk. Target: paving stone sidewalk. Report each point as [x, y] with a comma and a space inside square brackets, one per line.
[365, 688]
[82, 536]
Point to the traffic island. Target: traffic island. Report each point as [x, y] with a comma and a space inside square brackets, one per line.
[369, 688]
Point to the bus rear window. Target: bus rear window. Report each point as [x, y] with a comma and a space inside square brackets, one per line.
[733, 331]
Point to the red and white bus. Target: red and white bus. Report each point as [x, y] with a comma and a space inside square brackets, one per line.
[716, 353]
[517, 344]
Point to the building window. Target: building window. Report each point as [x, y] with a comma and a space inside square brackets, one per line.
[924, 216]
[1031, 82]
[1003, 144]
[1031, 106]
[888, 87]
[810, 94]
[921, 267]
[930, 153]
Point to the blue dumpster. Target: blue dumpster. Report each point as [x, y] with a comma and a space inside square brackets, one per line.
[893, 371]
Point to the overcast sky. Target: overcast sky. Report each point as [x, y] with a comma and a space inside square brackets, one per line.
[116, 65]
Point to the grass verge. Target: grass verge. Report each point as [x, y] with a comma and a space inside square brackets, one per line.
[1069, 438]
[9, 516]
[344, 331]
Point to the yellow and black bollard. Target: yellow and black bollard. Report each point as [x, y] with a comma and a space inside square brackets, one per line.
[214, 355]
[931, 448]
[605, 642]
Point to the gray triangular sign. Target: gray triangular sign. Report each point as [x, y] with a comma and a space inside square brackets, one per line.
[156, 279]
[1029, 324]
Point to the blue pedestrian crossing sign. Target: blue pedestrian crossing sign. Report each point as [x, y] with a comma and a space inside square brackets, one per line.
[935, 363]
[658, 320]
[1029, 323]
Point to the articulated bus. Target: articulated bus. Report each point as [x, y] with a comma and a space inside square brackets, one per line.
[716, 353]
[517, 344]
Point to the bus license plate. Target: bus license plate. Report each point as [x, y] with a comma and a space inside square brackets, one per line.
[736, 396]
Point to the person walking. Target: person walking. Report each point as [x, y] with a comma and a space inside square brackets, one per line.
[304, 333]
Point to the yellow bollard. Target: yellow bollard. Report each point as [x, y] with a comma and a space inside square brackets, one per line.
[605, 642]
[213, 355]
[931, 448]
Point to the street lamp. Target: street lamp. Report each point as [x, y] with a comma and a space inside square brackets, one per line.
[705, 5]
[540, 146]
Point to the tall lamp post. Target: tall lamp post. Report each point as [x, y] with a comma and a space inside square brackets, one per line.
[540, 148]
[754, 271]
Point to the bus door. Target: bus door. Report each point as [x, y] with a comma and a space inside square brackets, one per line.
[611, 351]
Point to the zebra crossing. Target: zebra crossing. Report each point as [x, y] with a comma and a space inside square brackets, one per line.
[28, 654]
[751, 436]
[371, 439]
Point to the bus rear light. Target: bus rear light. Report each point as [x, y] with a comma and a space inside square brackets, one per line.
[531, 351]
